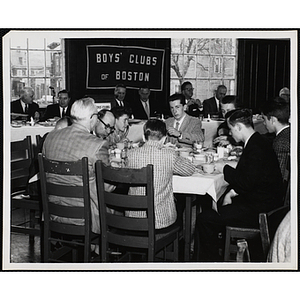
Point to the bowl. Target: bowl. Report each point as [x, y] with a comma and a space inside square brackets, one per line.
[208, 168]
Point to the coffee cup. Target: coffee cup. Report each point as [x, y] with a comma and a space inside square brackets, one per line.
[208, 168]
[120, 145]
[200, 157]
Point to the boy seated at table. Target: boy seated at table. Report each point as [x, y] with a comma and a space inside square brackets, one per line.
[166, 163]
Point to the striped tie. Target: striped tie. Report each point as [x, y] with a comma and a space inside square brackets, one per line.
[177, 126]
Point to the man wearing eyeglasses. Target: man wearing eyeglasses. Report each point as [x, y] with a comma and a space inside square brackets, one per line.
[106, 125]
[75, 142]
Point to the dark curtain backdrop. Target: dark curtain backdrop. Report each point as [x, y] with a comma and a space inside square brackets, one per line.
[263, 69]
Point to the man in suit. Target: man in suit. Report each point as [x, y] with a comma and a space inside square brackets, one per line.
[255, 186]
[183, 130]
[212, 105]
[276, 116]
[25, 104]
[106, 125]
[119, 97]
[143, 108]
[60, 109]
[193, 106]
[75, 142]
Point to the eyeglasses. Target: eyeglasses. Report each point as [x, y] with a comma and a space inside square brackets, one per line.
[111, 128]
[189, 89]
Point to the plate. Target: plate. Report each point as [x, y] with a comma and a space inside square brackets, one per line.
[45, 124]
[16, 125]
[51, 120]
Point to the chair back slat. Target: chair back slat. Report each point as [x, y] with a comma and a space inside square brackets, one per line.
[66, 211]
[125, 240]
[65, 191]
[122, 230]
[126, 223]
[126, 202]
[125, 175]
[67, 229]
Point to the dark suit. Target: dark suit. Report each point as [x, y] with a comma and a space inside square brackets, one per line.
[257, 181]
[16, 107]
[54, 111]
[114, 103]
[210, 107]
[281, 146]
[138, 110]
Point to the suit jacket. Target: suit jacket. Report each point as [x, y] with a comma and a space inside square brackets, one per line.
[53, 111]
[114, 103]
[191, 131]
[281, 146]
[16, 107]
[138, 110]
[256, 178]
[210, 107]
[165, 163]
[71, 144]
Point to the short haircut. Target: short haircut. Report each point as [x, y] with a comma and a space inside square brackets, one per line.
[120, 85]
[155, 129]
[83, 108]
[221, 86]
[243, 116]
[64, 92]
[183, 86]
[63, 122]
[277, 108]
[177, 97]
[230, 99]
[119, 111]
[102, 113]
[25, 90]
[144, 86]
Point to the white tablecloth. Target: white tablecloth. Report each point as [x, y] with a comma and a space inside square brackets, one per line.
[19, 133]
[198, 184]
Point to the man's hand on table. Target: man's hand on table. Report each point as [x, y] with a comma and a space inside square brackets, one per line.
[228, 197]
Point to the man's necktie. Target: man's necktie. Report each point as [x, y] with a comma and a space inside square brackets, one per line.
[147, 109]
[121, 103]
[177, 126]
[26, 108]
[63, 112]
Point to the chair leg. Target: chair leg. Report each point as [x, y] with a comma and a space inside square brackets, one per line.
[31, 224]
[176, 246]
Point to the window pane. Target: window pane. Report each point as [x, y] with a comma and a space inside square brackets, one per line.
[53, 64]
[38, 85]
[202, 66]
[18, 63]
[37, 43]
[17, 84]
[36, 63]
[19, 42]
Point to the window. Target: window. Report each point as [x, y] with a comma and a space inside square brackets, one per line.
[37, 63]
[206, 63]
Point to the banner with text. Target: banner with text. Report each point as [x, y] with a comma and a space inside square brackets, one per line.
[133, 66]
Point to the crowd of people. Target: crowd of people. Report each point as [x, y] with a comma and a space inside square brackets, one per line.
[255, 185]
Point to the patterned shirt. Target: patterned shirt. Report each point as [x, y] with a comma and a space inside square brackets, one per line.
[165, 163]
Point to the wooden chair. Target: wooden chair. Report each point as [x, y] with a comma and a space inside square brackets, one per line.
[268, 224]
[126, 232]
[21, 159]
[70, 236]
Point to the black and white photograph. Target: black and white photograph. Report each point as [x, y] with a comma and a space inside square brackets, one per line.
[150, 149]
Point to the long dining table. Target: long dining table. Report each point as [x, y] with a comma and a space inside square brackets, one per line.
[198, 184]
